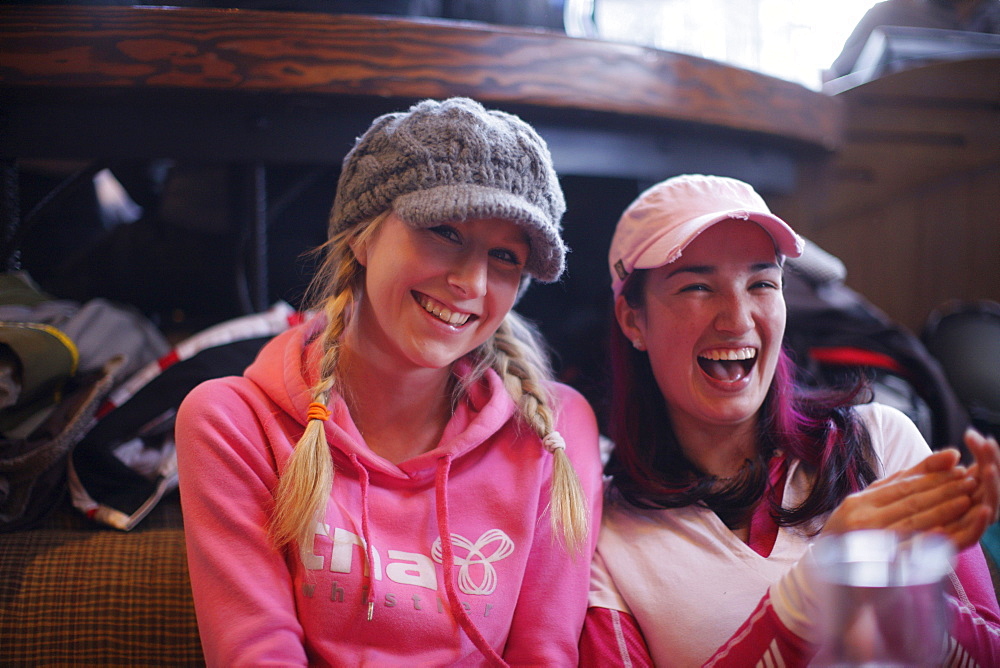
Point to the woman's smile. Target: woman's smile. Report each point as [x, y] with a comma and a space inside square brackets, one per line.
[728, 364]
[441, 312]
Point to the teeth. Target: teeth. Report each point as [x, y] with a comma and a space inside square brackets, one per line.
[442, 313]
[740, 354]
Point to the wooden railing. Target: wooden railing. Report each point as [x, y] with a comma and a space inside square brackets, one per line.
[107, 48]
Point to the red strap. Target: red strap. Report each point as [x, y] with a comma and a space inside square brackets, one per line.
[851, 356]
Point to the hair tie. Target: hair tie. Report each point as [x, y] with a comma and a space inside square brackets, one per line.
[554, 441]
[318, 411]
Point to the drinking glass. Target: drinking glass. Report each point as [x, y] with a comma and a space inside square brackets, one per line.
[882, 598]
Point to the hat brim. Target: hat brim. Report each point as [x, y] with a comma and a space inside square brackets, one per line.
[46, 359]
[461, 202]
[670, 245]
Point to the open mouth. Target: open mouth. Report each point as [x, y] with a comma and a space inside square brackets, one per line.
[728, 365]
[439, 311]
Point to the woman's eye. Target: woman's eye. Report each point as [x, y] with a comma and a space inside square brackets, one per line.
[506, 256]
[697, 287]
[446, 232]
[766, 284]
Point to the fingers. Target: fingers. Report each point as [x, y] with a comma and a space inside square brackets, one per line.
[947, 515]
[912, 492]
[969, 528]
[924, 502]
[942, 460]
[982, 447]
[912, 503]
[936, 495]
[936, 462]
[986, 469]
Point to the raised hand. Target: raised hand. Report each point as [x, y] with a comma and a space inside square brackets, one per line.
[985, 508]
[934, 495]
[986, 469]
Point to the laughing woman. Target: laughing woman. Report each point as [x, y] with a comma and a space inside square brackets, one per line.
[724, 471]
[398, 481]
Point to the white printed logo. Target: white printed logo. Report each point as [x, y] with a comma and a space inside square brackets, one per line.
[476, 557]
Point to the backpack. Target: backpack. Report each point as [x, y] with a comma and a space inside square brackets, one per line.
[834, 334]
[127, 461]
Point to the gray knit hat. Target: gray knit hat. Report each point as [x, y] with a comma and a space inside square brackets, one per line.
[455, 161]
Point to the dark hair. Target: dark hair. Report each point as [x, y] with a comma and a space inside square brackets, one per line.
[818, 427]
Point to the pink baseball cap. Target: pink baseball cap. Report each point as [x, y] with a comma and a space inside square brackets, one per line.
[657, 227]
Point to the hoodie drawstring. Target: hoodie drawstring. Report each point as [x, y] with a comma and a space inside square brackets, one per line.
[447, 555]
[448, 565]
[366, 533]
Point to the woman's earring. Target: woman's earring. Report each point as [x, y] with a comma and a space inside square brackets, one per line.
[638, 344]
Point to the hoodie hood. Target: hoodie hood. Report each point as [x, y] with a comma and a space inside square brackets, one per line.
[288, 366]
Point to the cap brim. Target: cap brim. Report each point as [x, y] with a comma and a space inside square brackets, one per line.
[670, 245]
[666, 249]
[450, 203]
[46, 355]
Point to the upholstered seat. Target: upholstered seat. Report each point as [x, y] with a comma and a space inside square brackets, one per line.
[73, 592]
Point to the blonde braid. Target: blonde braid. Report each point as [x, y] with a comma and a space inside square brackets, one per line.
[305, 484]
[515, 353]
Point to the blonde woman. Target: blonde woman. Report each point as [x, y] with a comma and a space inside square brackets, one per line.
[399, 481]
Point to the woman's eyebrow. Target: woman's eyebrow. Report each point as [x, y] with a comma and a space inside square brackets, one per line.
[700, 269]
[707, 269]
[761, 266]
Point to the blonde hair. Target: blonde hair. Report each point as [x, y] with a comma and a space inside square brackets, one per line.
[515, 352]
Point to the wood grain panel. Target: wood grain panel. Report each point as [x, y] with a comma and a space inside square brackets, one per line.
[913, 128]
[910, 201]
[254, 51]
[937, 244]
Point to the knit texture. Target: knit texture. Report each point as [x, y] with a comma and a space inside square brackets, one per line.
[453, 161]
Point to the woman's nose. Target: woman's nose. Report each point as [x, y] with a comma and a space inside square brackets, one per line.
[469, 275]
[735, 315]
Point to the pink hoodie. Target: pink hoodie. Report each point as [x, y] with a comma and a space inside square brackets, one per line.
[486, 484]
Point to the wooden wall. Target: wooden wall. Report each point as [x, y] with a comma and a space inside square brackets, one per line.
[911, 202]
[924, 248]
